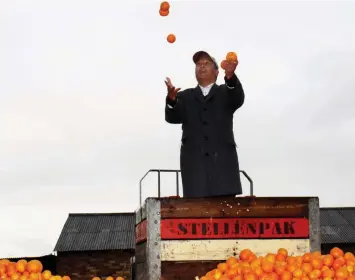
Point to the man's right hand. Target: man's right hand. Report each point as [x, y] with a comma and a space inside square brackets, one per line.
[172, 91]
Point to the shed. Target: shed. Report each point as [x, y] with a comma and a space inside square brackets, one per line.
[337, 228]
[96, 245]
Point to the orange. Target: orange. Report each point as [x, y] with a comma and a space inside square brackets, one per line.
[341, 273]
[349, 256]
[23, 277]
[4, 261]
[232, 272]
[33, 276]
[46, 275]
[306, 268]
[10, 269]
[297, 273]
[34, 266]
[280, 257]
[270, 257]
[230, 261]
[336, 252]
[223, 267]
[96, 278]
[68, 278]
[252, 257]
[316, 254]
[121, 278]
[267, 266]
[21, 266]
[2, 269]
[279, 269]
[351, 277]
[328, 260]
[291, 267]
[164, 13]
[231, 57]
[15, 276]
[286, 275]
[255, 263]
[328, 273]
[250, 276]
[164, 6]
[317, 263]
[350, 262]
[306, 257]
[282, 251]
[291, 260]
[223, 64]
[237, 278]
[258, 271]
[245, 254]
[109, 278]
[171, 38]
[217, 274]
[299, 260]
[339, 262]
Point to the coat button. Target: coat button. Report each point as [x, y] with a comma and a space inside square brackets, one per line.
[205, 109]
[205, 123]
[206, 137]
[207, 154]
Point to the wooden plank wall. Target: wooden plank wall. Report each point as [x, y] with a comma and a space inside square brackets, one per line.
[188, 237]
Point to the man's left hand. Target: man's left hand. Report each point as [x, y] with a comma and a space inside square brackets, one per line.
[229, 68]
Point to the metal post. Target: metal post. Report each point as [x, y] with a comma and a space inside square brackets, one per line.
[158, 183]
[250, 181]
[177, 183]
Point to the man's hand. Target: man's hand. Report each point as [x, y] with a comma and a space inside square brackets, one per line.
[172, 91]
[229, 68]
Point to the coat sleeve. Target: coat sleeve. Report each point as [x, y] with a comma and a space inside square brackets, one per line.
[235, 92]
[174, 110]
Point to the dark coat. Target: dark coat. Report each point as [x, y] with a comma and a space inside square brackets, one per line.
[208, 156]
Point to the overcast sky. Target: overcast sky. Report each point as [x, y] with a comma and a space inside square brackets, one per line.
[82, 103]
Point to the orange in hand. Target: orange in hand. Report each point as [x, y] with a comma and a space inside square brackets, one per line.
[232, 57]
[223, 64]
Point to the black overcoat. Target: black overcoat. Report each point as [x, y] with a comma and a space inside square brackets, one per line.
[208, 156]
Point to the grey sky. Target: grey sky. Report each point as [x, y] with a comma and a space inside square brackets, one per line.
[82, 103]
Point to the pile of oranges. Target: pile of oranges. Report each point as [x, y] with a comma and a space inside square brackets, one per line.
[26, 270]
[32, 270]
[108, 278]
[336, 265]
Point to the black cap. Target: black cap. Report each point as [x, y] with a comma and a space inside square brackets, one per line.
[198, 54]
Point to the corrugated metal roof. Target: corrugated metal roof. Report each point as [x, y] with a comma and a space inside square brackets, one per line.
[337, 225]
[86, 232]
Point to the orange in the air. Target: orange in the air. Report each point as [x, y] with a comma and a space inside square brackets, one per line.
[171, 38]
[164, 6]
[164, 13]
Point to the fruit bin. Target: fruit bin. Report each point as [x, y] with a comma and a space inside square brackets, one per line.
[181, 238]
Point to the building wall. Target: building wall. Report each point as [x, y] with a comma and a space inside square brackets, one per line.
[86, 265]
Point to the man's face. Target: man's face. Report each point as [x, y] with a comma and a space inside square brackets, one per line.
[205, 70]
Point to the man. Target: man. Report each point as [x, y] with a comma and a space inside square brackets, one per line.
[208, 156]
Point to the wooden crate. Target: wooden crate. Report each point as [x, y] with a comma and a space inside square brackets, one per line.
[180, 238]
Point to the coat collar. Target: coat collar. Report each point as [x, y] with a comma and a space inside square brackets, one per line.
[199, 95]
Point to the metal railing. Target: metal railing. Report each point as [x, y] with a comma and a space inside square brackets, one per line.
[176, 171]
